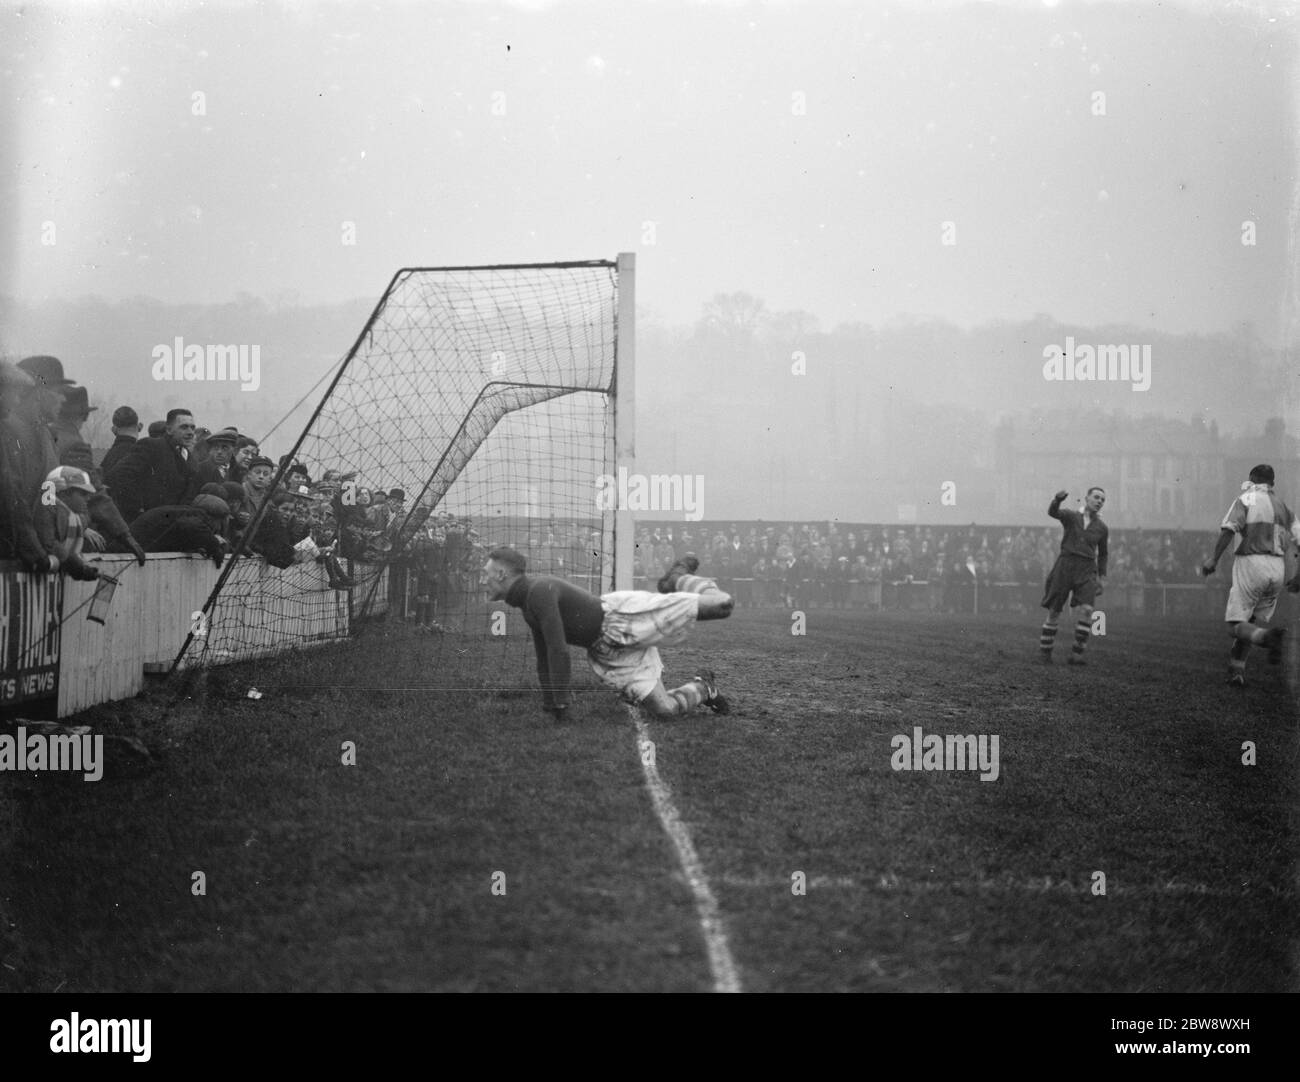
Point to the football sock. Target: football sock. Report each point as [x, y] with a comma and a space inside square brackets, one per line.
[1082, 629]
[1047, 638]
[688, 696]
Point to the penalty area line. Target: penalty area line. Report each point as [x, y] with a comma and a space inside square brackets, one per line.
[726, 978]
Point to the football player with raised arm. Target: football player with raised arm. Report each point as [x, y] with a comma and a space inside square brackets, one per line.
[1078, 571]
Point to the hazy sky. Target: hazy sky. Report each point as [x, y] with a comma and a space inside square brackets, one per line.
[809, 153]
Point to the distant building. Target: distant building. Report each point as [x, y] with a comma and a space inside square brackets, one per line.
[1157, 473]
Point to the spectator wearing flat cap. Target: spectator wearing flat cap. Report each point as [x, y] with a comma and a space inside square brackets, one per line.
[296, 511]
[271, 538]
[377, 517]
[257, 481]
[158, 472]
[219, 465]
[199, 526]
[62, 524]
[126, 431]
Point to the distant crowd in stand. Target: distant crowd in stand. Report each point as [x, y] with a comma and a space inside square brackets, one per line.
[826, 564]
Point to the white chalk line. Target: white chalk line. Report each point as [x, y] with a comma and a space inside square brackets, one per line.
[726, 977]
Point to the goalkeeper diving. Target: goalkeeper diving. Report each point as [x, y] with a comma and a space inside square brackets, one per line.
[621, 631]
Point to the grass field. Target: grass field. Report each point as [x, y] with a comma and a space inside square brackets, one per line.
[321, 876]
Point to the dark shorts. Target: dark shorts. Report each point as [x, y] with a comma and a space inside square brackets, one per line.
[1075, 575]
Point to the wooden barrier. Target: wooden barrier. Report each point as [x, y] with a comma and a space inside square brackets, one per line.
[262, 611]
[99, 663]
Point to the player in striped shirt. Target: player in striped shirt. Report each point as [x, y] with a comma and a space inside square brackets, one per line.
[1076, 576]
[1259, 522]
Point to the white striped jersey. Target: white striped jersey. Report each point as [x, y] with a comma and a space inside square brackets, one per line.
[1261, 522]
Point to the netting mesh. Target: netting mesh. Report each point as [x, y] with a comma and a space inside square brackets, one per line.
[483, 393]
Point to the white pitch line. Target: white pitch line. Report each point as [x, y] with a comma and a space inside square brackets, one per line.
[726, 978]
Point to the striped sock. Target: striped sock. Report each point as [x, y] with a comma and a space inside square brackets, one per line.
[689, 696]
[1047, 638]
[1082, 629]
[695, 584]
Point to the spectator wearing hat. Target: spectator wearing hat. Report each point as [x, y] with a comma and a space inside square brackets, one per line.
[270, 539]
[47, 372]
[61, 525]
[396, 510]
[19, 462]
[257, 481]
[126, 431]
[296, 510]
[29, 424]
[36, 408]
[377, 516]
[69, 444]
[219, 465]
[158, 472]
[199, 526]
[296, 477]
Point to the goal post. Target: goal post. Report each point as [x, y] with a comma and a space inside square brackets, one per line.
[622, 428]
[497, 398]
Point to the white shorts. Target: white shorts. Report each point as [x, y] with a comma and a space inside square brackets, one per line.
[625, 657]
[1256, 586]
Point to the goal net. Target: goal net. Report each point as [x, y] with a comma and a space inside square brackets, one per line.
[487, 396]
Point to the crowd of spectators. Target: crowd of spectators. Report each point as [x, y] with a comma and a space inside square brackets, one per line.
[180, 488]
[828, 564]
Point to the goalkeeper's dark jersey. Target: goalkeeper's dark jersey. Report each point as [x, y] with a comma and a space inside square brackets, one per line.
[559, 614]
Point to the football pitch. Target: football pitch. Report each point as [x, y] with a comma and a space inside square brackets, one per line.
[1119, 844]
